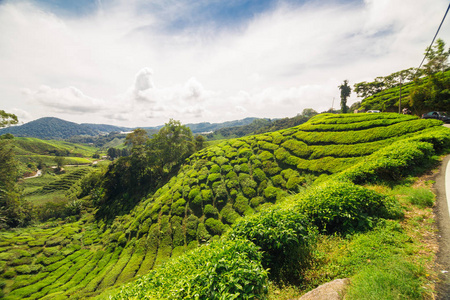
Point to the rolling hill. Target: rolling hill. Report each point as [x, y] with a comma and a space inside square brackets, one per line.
[50, 128]
[216, 189]
[56, 129]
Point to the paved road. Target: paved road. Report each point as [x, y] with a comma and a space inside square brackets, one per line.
[442, 190]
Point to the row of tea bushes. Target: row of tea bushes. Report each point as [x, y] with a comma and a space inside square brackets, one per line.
[274, 243]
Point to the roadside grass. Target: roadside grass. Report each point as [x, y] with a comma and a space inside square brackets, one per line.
[393, 261]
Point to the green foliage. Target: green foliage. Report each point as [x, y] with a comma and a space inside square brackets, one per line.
[220, 270]
[215, 227]
[14, 211]
[345, 93]
[390, 163]
[345, 207]
[228, 214]
[285, 238]
[179, 207]
[210, 211]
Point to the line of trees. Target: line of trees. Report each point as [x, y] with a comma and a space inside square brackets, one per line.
[150, 164]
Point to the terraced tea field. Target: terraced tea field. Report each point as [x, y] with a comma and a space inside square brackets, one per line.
[215, 188]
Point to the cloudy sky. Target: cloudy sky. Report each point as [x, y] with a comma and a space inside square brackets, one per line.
[142, 62]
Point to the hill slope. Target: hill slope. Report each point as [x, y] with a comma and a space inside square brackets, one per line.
[54, 128]
[50, 128]
[217, 186]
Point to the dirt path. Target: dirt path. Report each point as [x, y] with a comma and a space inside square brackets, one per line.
[442, 190]
[38, 173]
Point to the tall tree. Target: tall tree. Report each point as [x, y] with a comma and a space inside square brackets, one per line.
[345, 93]
[172, 144]
[436, 57]
[13, 210]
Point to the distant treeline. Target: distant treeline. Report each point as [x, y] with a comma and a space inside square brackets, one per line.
[258, 126]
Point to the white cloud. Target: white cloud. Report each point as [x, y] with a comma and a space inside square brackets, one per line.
[96, 68]
[67, 100]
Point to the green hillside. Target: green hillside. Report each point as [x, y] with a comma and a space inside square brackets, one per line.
[54, 128]
[34, 152]
[261, 181]
[433, 88]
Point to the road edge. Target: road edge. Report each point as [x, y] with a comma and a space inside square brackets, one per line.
[442, 213]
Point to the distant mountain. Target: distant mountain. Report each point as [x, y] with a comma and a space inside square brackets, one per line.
[50, 128]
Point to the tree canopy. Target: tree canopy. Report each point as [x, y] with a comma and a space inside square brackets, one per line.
[13, 210]
[345, 93]
[7, 119]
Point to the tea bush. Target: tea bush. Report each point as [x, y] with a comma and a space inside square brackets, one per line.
[343, 207]
[285, 237]
[220, 270]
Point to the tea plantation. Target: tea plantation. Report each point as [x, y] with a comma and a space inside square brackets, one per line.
[273, 192]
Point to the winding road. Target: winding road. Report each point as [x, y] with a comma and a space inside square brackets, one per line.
[442, 190]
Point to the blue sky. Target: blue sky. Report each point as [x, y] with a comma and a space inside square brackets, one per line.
[142, 62]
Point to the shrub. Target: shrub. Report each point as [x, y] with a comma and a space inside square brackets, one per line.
[210, 211]
[344, 207]
[271, 168]
[390, 163]
[294, 182]
[220, 161]
[272, 193]
[191, 228]
[298, 148]
[202, 233]
[256, 201]
[214, 169]
[207, 195]
[220, 270]
[278, 180]
[215, 227]
[265, 155]
[228, 214]
[179, 207]
[214, 177]
[259, 175]
[284, 237]
[241, 204]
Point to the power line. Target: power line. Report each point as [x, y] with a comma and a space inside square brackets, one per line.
[429, 48]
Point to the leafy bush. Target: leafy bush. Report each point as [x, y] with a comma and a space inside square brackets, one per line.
[220, 270]
[285, 237]
[228, 214]
[344, 207]
[390, 163]
[215, 227]
[210, 211]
